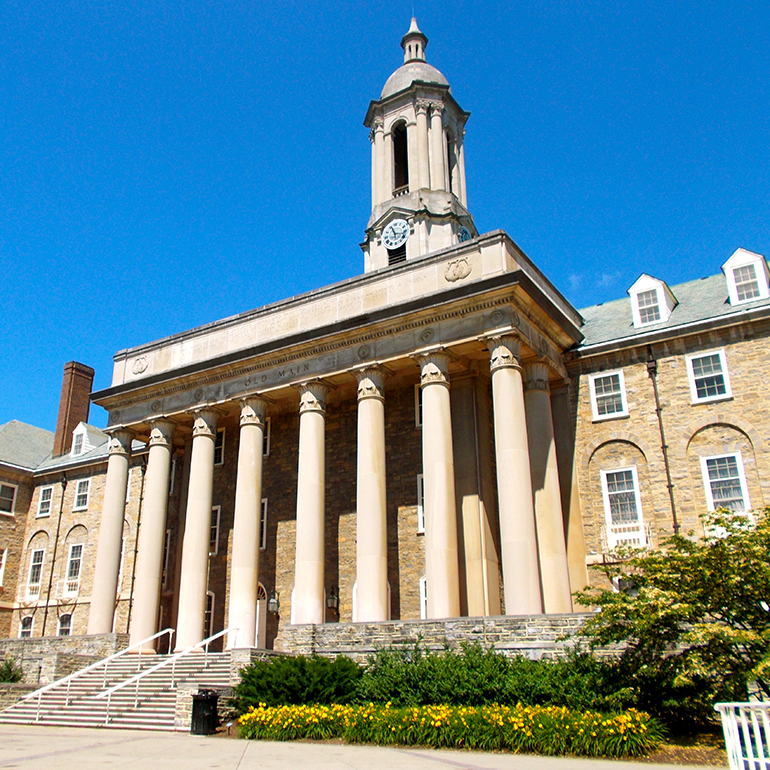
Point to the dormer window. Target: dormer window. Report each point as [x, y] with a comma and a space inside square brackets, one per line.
[747, 277]
[651, 301]
[77, 444]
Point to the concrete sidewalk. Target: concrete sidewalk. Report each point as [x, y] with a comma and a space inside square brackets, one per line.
[66, 748]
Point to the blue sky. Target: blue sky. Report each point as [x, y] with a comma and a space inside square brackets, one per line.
[164, 164]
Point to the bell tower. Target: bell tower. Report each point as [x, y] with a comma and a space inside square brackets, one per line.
[419, 202]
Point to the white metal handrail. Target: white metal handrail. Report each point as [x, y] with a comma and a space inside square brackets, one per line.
[171, 660]
[104, 662]
[746, 727]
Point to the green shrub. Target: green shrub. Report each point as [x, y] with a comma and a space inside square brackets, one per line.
[284, 680]
[10, 671]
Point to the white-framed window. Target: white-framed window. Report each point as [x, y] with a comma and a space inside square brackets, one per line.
[652, 302]
[216, 513]
[747, 277]
[623, 509]
[648, 306]
[420, 504]
[65, 625]
[417, 406]
[725, 482]
[166, 552]
[78, 442]
[263, 525]
[74, 563]
[219, 447]
[709, 380]
[25, 627]
[3, 559]
[423, 598]
[208, 618]
[82, 491]
[266, 439]
[45, 501]
[7, 498]
[608, 395]
[35, 575]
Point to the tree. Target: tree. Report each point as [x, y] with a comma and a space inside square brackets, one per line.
[693, 618]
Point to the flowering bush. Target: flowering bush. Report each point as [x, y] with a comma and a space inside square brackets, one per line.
[537, 729]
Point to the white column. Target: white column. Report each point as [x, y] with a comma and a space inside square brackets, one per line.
[244, 571]
[461, 167]
[423, 150]
[371, 514]
[379, 193]
[152, 535]
[518, 539]
[105, 589]
[197, 532]
[552, 549]
[441, 557]
[308, 597]
[437, 142]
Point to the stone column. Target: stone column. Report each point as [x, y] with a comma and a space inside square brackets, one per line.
[244, 572]
[104, 592]
[552, 550]
[308, 597]
[518, 538]
[441, 557]
[423, 150]
[378, 163]
[371, 515]
[437, 142]
[197, 532]
[570, 496]
[149, 556]
[461, 167]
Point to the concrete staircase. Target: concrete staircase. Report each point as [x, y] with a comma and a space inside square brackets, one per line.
[153, 708]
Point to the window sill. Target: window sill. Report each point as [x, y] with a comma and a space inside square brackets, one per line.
[610, 417]
[8, 514]
[712, 399]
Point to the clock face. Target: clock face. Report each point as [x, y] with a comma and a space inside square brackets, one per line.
[395, 234]
[465, 234]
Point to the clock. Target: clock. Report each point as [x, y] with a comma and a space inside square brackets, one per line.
[465, 234]
[395, 234]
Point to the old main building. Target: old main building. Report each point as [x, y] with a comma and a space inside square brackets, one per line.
[442, 436]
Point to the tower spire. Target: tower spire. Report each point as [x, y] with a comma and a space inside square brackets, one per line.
[414, 43]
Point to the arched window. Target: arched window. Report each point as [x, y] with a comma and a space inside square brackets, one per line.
[400, 161]
[65, 625]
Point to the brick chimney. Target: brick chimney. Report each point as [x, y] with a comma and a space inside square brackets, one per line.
[73, 405]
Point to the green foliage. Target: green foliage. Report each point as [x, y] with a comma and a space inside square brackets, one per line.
[10, 671]
[536, 729]
[696, 626]
[284, 680]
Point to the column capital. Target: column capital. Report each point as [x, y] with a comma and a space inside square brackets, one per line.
[422, 106]
[205, 422]
[312, 396]
[436, 109]
[253, 410]
[371, 383]
[161, 432]
[434, 366]
[120, 442]
[378, 124]
[504, 352]
[536, 376]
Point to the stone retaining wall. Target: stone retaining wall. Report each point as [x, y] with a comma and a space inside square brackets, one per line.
[535, 636]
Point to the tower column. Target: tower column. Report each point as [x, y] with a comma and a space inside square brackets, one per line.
[423, 150]
[554, 571]
[441, 557]
[378, 162]
[244, 573]
[149, 557]
[518, 539]
[197, 531]
[461, 167]
[308, 597]
[437, 165]
[104, 592]
[371, 514]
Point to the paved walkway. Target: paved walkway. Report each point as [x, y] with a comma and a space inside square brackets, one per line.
[65, 748]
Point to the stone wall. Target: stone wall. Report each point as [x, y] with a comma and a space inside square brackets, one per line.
[534, 636]
[11, 692]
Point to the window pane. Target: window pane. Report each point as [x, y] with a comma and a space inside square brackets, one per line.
[7, 495]
[746, 282]
[709, 379]
[725, 483]
[81, 496]
[622, 497]
[649, 310]
[608, 393]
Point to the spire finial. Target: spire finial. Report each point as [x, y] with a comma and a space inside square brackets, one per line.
[414, 43]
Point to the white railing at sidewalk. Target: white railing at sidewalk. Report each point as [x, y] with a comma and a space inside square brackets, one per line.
[68, 680]
[170, 661]
[746, 727]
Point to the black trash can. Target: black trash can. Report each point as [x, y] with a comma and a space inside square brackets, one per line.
[204, 712]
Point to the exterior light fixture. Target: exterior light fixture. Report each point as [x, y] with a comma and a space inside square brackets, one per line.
[333, 599]
[273, 603]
